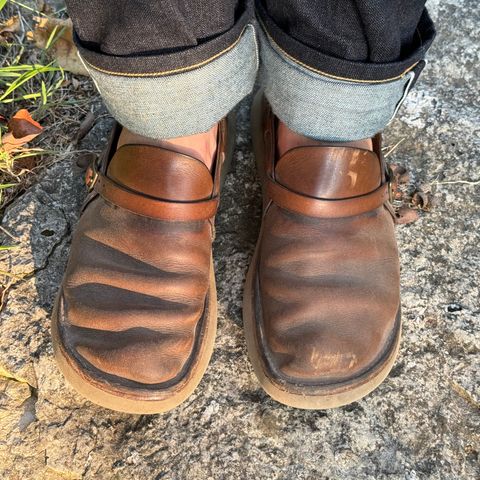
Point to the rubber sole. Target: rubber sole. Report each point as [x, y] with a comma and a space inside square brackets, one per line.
[332, 397]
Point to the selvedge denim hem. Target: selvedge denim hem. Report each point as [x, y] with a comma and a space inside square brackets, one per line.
[165, 92]
[186, 101]
[322, 107]
[192, 100]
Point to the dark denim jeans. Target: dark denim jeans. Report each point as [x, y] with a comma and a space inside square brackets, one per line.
[332, 69]
[358, 39]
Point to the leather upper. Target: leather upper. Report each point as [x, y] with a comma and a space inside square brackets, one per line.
[137, 283]
[327, 280]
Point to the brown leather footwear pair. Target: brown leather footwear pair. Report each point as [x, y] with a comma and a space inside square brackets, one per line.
[135, 319]
[134, 323]
[322, 303]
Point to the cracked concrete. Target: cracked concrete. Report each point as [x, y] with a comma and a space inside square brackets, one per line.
[423, 421]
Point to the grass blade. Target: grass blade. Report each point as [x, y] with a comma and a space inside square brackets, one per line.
[44, 93]
[7, 247]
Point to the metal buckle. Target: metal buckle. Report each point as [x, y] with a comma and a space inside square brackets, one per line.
[390, 177]
[92, 177]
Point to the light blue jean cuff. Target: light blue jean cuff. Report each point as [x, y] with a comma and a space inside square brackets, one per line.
[325, 108]
[185, 103]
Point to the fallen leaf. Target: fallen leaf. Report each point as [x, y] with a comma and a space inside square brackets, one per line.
[406, 215]
[62, 47]
[400, 174]
[22, 128]
[422, 200]
[26, 163]
[9, 28]
[22, 124]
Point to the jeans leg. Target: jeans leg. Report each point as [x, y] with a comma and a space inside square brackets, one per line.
[170, 68]
[338, 70]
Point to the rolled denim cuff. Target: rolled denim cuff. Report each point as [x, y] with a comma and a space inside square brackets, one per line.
[348, 69]
[183, 101]
[324, 107]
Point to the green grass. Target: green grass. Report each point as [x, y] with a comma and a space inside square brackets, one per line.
[30, 79]
[17, 81]
[23, 84]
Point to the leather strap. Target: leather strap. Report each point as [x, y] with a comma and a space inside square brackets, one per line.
[153, 207]
[326, 208]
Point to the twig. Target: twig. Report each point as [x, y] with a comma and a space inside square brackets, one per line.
[453, 182]
[6, 232]
[394, 147]
[11, 275]
[26, 7]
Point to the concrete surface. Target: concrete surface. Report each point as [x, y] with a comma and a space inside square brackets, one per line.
[422, 423]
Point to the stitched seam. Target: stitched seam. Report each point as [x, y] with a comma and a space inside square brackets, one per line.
[329, 75]
[156, 200]
[170, 72]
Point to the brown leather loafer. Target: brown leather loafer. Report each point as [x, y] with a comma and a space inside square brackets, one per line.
[322, 302]
[135, 319]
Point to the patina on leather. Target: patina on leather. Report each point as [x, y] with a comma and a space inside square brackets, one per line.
[133, 306]
[325, 277]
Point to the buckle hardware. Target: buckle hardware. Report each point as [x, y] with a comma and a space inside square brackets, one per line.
[390, 182]
[91, 178]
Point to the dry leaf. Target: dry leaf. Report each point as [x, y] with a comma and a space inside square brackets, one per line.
[25, 164]
[398, 171]
[400, 174]
[9, 27]
[422, 200]
[22, 125]
[62, 47]
[406, 215]
[408, 199]
[22, 128]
